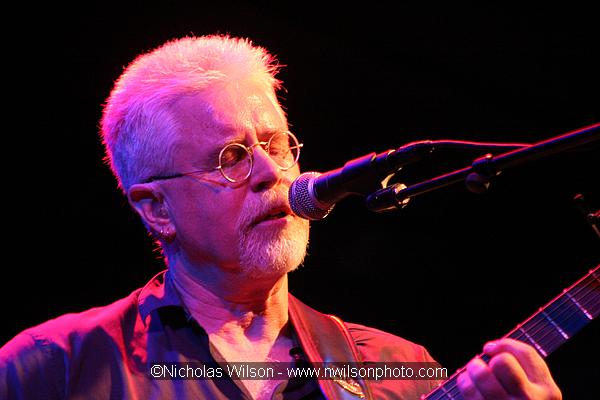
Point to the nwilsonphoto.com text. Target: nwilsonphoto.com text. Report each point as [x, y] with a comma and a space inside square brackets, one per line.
[286, 371]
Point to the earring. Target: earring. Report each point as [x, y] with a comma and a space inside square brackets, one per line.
[167, 234]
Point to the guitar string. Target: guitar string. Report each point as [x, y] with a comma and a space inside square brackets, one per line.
[572, 321]
[562, 306]
[590, 301]
[451, 386]
[557, 311]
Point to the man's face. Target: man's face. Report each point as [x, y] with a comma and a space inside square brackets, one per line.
[240, 227]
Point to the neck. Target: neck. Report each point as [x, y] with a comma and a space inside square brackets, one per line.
[231, 305]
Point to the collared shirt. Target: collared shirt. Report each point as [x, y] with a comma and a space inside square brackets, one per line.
[108, 353]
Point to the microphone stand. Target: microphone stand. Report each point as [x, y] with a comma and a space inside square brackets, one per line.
[591, 217]
[478, 176]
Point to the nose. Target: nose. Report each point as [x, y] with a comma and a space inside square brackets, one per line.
[265, 172]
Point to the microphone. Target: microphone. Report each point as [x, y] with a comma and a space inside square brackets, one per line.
[313, 195]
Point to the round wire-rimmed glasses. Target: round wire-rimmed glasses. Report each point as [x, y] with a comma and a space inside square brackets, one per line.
[236, 160]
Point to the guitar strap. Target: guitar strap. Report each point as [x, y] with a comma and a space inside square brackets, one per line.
[325, 339]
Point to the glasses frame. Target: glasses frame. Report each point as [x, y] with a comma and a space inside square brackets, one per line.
[248, 149]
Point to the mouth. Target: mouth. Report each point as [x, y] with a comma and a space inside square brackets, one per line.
[273, 214]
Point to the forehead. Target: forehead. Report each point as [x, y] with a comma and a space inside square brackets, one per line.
[229, 114]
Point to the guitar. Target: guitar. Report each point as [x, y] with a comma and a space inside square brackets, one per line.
[547, 329]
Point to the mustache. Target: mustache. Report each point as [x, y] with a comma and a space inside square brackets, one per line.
[260, 206]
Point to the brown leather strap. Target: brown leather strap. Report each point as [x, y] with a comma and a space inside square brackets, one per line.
[325, 339]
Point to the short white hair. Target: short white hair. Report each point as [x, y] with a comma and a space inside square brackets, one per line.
[137, 125]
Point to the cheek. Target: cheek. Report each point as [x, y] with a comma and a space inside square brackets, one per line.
[294, 172]
[211, 219]
[202, 216]
[209, 235]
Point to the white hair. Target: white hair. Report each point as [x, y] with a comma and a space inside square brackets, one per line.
[137, 125]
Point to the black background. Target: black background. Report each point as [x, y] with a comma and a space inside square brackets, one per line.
[450, 271]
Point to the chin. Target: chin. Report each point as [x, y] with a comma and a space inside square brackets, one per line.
[274, 254]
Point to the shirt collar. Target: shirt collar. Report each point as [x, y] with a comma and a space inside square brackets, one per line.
[158, 293]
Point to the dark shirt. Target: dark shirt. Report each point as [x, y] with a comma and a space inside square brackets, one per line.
[107, 353]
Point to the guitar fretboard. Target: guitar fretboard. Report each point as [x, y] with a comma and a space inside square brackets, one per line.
[547, 329]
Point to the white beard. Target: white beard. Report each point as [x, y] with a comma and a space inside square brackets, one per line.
[271, 252]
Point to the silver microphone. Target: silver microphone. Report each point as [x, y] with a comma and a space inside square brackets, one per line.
[303, 199]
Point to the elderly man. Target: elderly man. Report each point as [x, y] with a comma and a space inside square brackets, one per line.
[201, 148]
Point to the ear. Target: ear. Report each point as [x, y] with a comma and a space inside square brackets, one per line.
[148, 201]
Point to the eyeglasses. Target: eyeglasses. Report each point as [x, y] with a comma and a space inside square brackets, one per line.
[236, 160]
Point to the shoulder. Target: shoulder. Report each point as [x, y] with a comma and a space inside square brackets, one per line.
[67, 332]
[37, 360]
[376, 346]
[379, 346]
[373, 344]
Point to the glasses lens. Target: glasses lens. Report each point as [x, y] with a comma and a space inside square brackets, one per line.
[235, 162]
[284, 149]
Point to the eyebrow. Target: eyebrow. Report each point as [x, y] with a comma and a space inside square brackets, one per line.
[238, 136]
[207, 159]
[268, 133]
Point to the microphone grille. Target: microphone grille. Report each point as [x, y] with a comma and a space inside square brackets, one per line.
[303, 201]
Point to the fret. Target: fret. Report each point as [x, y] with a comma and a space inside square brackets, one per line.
[447, 393]
[562, 333]
[538, 329]
[540, 332]
[592, 303]
[447, 390]
[565, 314]
[533, 342]
[549, 327]
[583, 310]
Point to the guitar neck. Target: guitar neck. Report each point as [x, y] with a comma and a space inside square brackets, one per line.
[547, 329]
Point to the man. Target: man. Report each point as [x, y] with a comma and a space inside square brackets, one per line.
[201, 148]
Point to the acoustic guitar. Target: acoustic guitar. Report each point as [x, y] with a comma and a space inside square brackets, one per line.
[547, 329]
